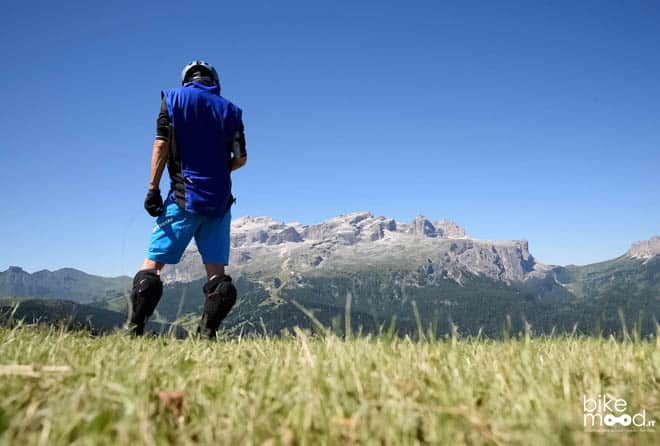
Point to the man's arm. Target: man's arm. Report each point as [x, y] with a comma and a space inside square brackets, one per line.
[239, 152]
[153, 203]
[159, 154]
[160, 150]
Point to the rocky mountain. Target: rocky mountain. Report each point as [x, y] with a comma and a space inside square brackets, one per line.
[391, 269]
[65, 283]
[645, 249]
[420, 275]
[263, 246]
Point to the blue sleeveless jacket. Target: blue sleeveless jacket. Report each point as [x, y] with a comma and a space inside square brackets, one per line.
[203, 125]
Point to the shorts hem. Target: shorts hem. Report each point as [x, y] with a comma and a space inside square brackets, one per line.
[163, 259]
[222, 261]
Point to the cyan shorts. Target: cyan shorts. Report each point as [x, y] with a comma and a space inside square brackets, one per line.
[176, 227]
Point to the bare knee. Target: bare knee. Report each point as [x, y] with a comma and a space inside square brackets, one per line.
[151, 264]
[214, 269]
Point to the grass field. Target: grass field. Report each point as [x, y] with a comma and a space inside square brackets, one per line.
[69, 388]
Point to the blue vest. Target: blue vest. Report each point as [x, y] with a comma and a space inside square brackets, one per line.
[204, 124]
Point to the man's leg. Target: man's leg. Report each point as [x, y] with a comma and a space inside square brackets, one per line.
[174, 230]
[145, 295]
[220, 297]
[212, 240]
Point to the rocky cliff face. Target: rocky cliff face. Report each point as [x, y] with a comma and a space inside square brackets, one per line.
[261, 246]
[645, 249]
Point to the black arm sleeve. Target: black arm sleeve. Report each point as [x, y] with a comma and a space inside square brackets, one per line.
[163, 123]
[238, 146]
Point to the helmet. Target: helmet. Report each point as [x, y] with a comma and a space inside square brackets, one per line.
[200, 63]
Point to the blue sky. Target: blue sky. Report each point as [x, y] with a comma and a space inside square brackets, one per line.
[518, 120]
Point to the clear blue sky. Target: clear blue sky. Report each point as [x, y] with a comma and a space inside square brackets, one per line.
[534, 120]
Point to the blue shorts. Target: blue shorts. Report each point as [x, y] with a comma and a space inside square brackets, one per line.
[176, 227]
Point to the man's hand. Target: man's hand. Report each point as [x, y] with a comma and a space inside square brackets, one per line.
[154, 203]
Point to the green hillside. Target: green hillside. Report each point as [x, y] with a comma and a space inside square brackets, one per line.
[66, 283]
[476, 305]
[603, 298]
[67, 314]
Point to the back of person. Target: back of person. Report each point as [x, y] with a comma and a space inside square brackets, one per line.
[204, 125]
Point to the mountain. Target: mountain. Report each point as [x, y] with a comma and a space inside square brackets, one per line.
[390, 269]
[645, 249]
[265, 247]
[421, 274]
[65, 283]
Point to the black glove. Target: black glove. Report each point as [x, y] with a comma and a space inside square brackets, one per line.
[154, 203]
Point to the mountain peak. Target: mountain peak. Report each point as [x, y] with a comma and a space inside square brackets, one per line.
[15, 270]
[421, 226]
[347, 229]
[645, 249]
[356, 217]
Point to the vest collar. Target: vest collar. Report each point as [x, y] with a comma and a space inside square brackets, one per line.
[210, 88]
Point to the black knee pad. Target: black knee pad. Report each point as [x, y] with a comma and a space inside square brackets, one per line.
[220, 298]
[147, 289]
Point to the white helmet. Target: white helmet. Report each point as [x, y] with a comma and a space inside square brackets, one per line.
[200, 63]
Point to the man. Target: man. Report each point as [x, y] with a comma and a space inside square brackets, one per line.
[200, 136]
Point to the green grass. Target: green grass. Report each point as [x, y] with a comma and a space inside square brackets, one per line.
[311, 390]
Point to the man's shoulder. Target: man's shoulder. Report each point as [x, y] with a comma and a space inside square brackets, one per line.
[173, 89]
[170, 94]
[231, 107]
[229, 103]
[166, 93]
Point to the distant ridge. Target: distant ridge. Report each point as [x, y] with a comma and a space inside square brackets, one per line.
[65, 283]
[68, 314]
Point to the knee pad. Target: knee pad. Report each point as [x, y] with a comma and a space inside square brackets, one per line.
[220, 298]
[147, 289]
